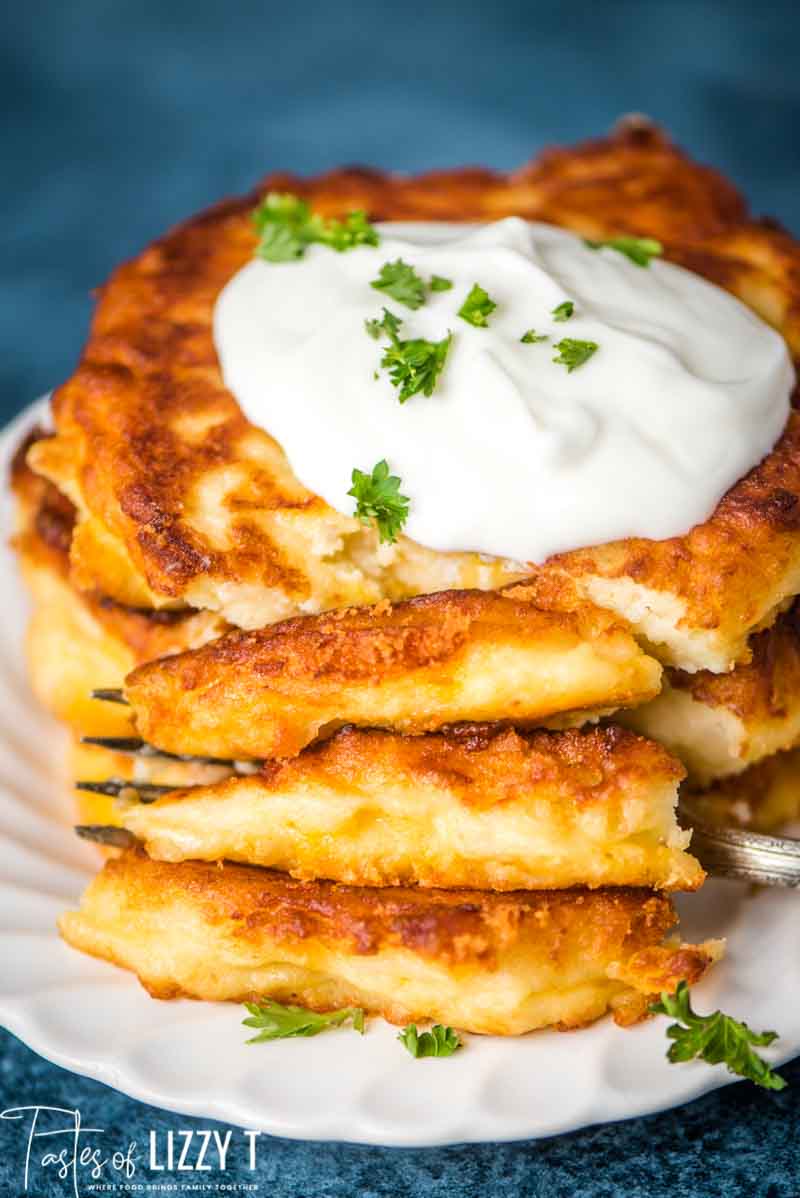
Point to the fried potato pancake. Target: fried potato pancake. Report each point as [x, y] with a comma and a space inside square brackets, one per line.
[182, 501]
[719, 724]
[500, 964]
[481, 807]
[765, 798]
[78, 641]
[522, 655]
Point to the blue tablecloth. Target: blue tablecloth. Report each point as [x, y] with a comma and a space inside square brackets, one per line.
[120, 118]
[737, 1143]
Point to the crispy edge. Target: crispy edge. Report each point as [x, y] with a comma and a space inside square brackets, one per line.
[272, 690]
[764, 689]
[455, 927]
[486, 765]
[466, 933]
[45, 522]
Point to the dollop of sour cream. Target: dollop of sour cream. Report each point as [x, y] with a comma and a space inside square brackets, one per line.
[512, 455]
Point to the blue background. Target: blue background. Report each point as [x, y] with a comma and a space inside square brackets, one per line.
[120, 117]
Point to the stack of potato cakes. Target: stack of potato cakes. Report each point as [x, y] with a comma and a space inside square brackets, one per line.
[340, 773]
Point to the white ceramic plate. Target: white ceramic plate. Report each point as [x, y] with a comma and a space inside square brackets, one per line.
[192, 1057]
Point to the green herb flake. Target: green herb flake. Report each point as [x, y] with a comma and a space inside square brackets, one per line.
[378, 498]
[563, 311]
[531, 337]
[388, 324]
[439, 283]
[286, 226]
[477, 307]
[352, 230]
[638, 249]
[401, 282]
[572, 353]
[274, 1021]
[438, 1042]
[716, 1039]
[414, 365]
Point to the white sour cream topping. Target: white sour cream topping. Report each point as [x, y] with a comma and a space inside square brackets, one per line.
[512, 455]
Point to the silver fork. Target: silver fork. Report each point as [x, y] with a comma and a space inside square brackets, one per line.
[738, 853]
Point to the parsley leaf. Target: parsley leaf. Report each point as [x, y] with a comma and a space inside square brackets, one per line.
[388, 323]
[275, 1021]
[639, 249]
[572, 353]
[563, 311]
[716, 1039]
[414, 365]
[401, 282]
[286, 225]
[354, 229]
[531, 337]
[438, 1042]
[439, 283]
[477, 307]
[280, 221]
[378, 498]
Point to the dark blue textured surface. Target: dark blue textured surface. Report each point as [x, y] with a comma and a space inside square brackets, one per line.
[119, 118]
[737, 1143]
[122, 116]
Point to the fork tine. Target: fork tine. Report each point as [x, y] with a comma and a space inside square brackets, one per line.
[120, 838]
[110, 694]
[134, 746]
[146, 792]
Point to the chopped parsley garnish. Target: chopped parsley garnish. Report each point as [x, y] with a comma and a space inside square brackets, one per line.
[378, 498]
[401, 282]
[438, 1042]
[439, 283]
[477, 307]
[388, 323]
[717, 1039]
[563, 311]
[286, 226]
[531, 337]
[414, 365]
[639, 249]
[275, 1021]
[572, 353]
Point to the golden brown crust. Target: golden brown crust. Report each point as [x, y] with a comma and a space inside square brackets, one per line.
[146, 426]
[520, 655]
[729, 573]
[766, 688]
[45, 520]
[480, 807]
[487, 765]
[454, 926]
[483, 962]
[719, 724]
[45, 517]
